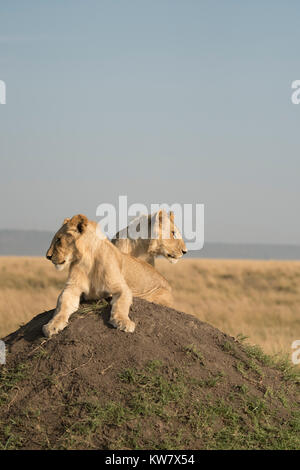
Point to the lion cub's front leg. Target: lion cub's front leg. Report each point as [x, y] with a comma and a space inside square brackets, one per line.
[67, 303]
[121, 301]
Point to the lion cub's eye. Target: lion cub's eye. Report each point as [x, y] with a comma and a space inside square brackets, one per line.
[58, 242]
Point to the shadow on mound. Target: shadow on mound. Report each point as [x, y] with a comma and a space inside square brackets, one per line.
[176, 382]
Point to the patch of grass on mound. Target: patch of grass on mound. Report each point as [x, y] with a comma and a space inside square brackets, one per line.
[163, 408]
[257, 359]
[156, 407]
[240, 399]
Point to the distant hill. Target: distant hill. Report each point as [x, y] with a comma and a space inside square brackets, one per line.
[35, 243]
[248, 251]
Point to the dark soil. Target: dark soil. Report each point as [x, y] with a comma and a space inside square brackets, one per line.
[176, 382]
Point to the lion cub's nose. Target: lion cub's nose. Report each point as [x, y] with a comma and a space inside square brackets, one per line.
[184, 252]
[49, 257]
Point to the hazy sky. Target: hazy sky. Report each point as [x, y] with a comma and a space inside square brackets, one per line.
[160, 100]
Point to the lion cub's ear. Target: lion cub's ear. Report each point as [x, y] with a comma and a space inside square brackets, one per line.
[66, 220]
[157, 220]
[79, 222]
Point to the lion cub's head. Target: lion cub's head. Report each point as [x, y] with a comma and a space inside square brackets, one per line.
[64, 248]
[166, 239]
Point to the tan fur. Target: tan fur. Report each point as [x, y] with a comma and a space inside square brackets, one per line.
[164, 238]
[98, 269]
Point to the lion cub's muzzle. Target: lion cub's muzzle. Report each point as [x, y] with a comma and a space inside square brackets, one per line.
[176, 256]
[50, 258]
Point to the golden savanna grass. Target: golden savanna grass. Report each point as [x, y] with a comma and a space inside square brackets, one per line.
[258, 299]
[28, 286]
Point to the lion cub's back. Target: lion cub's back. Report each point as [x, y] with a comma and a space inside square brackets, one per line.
[141, 276]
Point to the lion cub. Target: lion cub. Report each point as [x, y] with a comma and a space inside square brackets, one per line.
[98, 269]
[150, 236]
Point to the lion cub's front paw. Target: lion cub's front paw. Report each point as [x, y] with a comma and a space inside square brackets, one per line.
[52, 328]
[123, 324]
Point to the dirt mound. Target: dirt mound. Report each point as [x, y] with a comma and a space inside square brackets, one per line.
[175, 383]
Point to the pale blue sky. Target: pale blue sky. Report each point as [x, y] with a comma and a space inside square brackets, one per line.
[162, 100]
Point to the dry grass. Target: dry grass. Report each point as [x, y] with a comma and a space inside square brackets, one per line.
[259, 299]
[28, 286]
